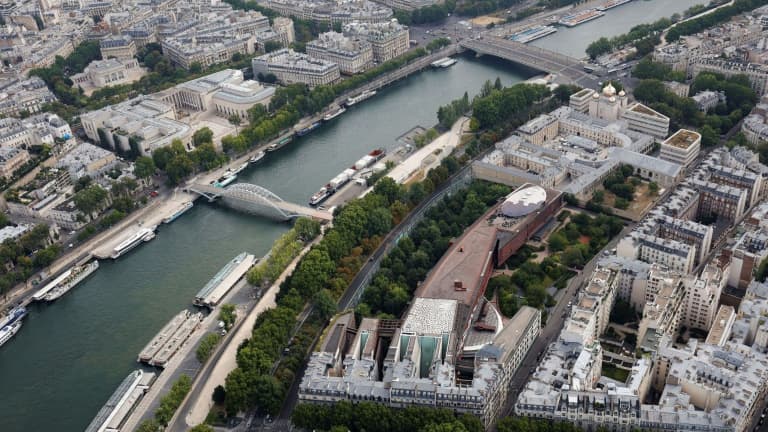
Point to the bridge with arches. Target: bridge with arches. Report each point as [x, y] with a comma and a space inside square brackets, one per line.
[254, 199]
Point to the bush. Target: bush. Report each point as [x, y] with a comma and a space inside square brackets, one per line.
[206, 347]
[171, 401]
[621, 203]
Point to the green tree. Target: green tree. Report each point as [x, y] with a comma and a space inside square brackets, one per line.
[90, 199]
[324, 304]
[621, 203]
[202, 428]
[306, 228]
[219, 395]
[235, 121]
[653, 188]
[202, 136]
[228, 315]
[149, 425]
[144, 167]
[206, 347]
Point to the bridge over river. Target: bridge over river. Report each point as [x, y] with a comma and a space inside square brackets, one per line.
[568, 68]
[254, 199]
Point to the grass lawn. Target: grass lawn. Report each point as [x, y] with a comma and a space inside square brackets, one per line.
[613, 372]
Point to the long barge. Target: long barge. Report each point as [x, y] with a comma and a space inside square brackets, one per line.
[160, 339]
[183, 209]
[216, 288]
[580, 17]
[533, 33]
[172, 344]
[344, 177]
[112, 416]
[65, 282]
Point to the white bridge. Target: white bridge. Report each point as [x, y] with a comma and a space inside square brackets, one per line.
[254, 199]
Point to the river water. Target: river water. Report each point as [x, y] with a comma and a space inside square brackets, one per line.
[70, 356]
[573, 41]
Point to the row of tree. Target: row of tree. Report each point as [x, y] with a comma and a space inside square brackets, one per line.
[427, 14]
[644, 37]
[373, 417]
[414, 256]
[683, 111]
[283, 251]
[21, 258]
[719, 16]
[178, 163]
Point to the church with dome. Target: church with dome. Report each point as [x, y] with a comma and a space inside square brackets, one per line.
[608, 105]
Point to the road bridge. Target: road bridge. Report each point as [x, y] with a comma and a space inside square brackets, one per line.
[534, 57]
[254, 199]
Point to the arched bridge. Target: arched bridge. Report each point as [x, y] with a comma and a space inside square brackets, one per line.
[531, 56]
[254, 199]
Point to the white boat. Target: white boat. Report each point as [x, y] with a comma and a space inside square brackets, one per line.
[76, 275]
[271, 147]
[183, 209]
[580, 17]
[332, 115]
[226, 180]
[361, 97]
[319, 196]
[241, 168]
[443, 62]
[15, 314]
[142, 235]
[9, 331]
[257, 157]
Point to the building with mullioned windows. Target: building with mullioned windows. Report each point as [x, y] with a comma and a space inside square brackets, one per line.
[291, 67]
[353, 55]
[388, 39]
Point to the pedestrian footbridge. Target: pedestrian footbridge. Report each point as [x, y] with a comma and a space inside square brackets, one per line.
[257, 200]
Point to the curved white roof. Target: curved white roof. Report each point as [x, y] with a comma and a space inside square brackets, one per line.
[524, 201]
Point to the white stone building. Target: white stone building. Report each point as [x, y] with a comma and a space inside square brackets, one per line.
[353, 55]
[388, 39]
[291, 67]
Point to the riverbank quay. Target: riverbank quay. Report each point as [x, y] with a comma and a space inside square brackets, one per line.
[167, 202]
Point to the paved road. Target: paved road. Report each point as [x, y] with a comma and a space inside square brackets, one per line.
[185, 361]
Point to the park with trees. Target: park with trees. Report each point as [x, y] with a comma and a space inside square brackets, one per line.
[570, 247]
[683, 111]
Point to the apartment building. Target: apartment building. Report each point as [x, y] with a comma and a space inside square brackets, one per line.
[353, 55]
[291, 67]
[11, 159]
[118, 47]
[388, 39]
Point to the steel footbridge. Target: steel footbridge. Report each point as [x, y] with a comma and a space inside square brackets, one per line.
[254, 199]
